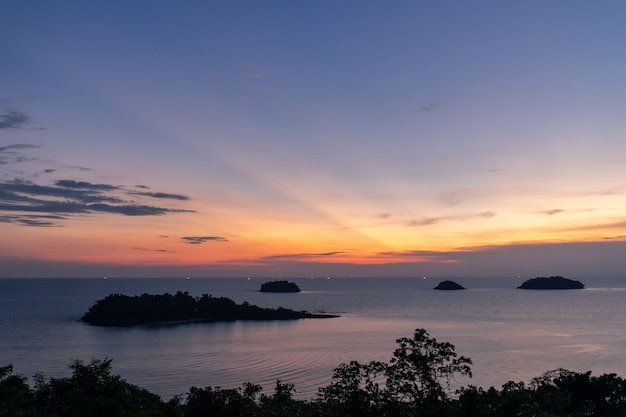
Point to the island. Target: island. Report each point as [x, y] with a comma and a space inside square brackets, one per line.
[448, 286]
[551, 283]
[149, 309]
[280, 286]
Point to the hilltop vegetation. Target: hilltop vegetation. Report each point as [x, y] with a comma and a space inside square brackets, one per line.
[414, 382]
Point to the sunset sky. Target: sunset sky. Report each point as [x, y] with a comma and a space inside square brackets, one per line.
[312, 138]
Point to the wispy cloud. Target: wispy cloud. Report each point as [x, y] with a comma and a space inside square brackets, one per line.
[553, 212]
[198, 240]
[83, 185]
[425, 108]
[30, 203]
[429, 221]
[297, 256]
[418, 255]
[12, 154]
[69, 197]
[160, 195]
[152, 250]
[135, 210]
[426, 221]
[25, 192]
[13, 119]
[33, 220]
[79, 168]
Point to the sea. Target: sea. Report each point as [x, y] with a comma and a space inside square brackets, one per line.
[509, 334]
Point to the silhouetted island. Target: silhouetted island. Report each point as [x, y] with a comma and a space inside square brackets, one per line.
[280, 286]
[124, 310]
[448, 286]
[551, 283]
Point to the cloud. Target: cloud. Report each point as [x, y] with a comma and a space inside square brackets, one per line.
[293, 256]
[134, 210]
[553, 212]
[36, 203]
[79, 168]
[83, 185]
[11, 154]
[428, 221]
[425, 109]
[68, 197]
[13, 119]
[152, 250]
[418, 255]
[20, 190]
[160, 195]
[32, 220]
[198, 240]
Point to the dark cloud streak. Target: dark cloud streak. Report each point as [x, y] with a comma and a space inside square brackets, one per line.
[292, 256]
[11, 154]
[59, 201]
[71, 197]
[198, 240]
[18, 187]
[152, 250]
[85, 185]
[160, 195]
[32, 220]
[13, 119]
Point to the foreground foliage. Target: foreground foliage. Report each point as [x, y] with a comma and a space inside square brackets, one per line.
[415, 382]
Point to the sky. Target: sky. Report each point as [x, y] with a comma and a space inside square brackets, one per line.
[312, 138]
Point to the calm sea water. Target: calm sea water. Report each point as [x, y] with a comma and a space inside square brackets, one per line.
[509, 334]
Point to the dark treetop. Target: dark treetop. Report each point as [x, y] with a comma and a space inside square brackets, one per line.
[280, 286]
[552, 283]
[124, 310]
[449, 285]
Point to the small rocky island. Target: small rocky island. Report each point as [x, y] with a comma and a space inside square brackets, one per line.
[449, 286]
[551, 283]
[148, 309]
[280, 286]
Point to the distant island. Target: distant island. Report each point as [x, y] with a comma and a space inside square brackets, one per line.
[280, 286]
[551, 283]
[448, 286]
[124, 310]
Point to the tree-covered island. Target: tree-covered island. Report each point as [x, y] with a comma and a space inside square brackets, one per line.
[552, 283]
[125, 310]
[280, 286]
[449, 286]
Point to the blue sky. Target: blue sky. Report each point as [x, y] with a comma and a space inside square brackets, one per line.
[312, 138]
